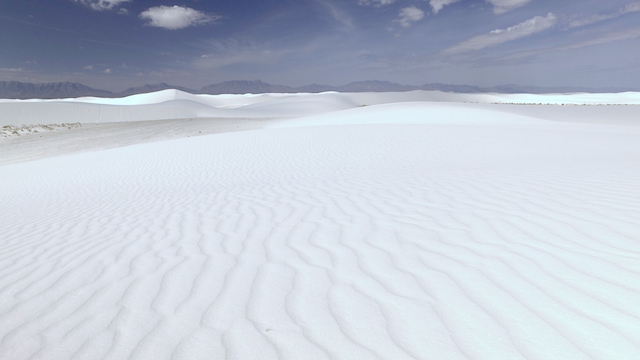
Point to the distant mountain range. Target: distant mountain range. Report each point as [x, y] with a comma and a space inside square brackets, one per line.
[19, 90]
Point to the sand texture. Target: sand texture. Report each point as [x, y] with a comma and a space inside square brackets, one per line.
[397, 230]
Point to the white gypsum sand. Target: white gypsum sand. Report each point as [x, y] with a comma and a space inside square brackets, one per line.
[405, 229]
[172, 114]
[101, 136]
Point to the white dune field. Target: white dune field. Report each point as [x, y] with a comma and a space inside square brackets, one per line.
[418, 227]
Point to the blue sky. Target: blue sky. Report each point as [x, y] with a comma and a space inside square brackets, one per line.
[114, 44]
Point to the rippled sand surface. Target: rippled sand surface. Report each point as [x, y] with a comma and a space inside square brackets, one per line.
[398, 231]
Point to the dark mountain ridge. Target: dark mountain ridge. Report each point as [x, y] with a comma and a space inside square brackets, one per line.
[19, 90]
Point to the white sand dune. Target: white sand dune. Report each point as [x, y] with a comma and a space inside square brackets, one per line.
[412, 230]
[175, 104]
[170, 105]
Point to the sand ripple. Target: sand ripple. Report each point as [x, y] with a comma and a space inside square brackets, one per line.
[340, 242]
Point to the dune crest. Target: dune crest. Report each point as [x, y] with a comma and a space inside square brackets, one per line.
[175, 104]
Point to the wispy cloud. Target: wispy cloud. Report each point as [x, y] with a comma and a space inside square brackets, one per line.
[437, 5]
[233, 52]
[582, 21]
[600, 39]
[336, 13]
[409, 15]
[499, 6]
[12, 69]
[101, 5]
[499, 36]
[604, 39]
[176, 17]
[375, 3]
[503, 6]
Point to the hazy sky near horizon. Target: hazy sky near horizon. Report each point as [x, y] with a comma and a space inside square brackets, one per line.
[114, 44]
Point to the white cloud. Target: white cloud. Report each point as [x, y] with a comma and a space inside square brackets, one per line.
[502, 6]
[408, 15]
[101, 5]
[176, 17]
[437, 5]
[107, 71]
[499, 36]
[629, 8]
[375, 3]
